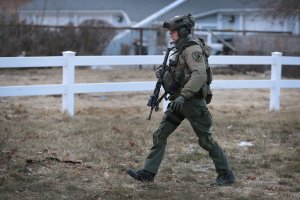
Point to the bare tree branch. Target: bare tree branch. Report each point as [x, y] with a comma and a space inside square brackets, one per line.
[277, 8]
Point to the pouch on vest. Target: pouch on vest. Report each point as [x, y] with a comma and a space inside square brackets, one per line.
[167, 81]
[206, 91]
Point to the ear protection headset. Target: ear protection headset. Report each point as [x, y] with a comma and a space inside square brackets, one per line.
[183, 31]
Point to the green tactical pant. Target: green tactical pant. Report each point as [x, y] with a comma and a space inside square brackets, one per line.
[195, 110]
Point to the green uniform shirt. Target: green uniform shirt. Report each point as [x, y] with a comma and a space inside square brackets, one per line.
[192, 62]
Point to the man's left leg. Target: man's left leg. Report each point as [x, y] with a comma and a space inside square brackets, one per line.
[168, 124]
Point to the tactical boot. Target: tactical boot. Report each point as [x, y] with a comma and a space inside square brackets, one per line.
[224, 179]
[141, 175]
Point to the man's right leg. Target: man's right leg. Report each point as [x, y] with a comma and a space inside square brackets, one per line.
[200, 118]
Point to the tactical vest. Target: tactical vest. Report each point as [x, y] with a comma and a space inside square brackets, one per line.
[172, 83]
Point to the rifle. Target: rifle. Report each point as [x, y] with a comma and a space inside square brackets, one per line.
[154, 101]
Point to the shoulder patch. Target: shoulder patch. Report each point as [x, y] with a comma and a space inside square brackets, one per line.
[197, 55]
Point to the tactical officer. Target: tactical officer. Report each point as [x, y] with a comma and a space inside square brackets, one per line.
[187, 81]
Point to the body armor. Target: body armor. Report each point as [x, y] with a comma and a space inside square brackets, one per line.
[178, 73]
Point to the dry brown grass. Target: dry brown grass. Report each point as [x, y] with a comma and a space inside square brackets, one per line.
[47, 155]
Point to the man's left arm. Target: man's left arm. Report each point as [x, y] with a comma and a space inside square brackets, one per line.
[195, 62]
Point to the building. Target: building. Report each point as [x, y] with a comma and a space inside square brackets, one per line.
[231, 15]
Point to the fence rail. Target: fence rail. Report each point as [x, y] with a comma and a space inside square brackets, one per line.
[68, 87]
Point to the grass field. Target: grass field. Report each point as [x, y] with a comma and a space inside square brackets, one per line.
[47, 155]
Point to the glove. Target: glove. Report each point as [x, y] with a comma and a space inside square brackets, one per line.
[177, 104]
[158, 71]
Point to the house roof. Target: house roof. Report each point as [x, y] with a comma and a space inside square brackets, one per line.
[137, 10]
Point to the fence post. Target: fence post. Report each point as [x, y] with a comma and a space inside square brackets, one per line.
[68, 81]
[276, 78]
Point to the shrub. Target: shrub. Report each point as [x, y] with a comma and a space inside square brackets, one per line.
[18, 38]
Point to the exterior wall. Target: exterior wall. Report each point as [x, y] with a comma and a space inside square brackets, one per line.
[231, 21]
[61, 18]
[293, 24]
[208, 22]
[247, 20]
[261, 23]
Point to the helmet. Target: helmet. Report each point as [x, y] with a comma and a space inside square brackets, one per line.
[183, 24]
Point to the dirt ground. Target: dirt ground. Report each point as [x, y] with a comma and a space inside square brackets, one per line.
[47, 155]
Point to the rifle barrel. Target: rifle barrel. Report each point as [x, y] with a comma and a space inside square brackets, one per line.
[151, 110]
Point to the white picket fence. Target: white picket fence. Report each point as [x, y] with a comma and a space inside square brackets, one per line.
[68, 88]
